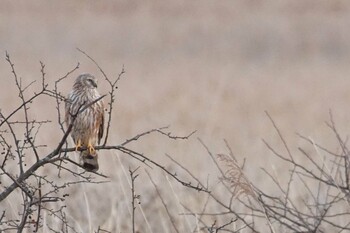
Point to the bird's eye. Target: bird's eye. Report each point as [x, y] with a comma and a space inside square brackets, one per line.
[92, 82]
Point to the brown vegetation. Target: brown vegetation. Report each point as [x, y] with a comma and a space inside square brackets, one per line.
[213, 68]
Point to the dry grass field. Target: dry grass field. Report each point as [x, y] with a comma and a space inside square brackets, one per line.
[210, 66]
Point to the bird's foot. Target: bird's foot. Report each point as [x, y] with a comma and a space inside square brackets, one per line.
[91, 149]
[78, 145]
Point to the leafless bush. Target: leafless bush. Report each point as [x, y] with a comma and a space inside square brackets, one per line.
[315, 197]
[324, 176]
[25, 180]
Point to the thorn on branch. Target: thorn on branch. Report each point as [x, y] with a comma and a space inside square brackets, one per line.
[134, 197]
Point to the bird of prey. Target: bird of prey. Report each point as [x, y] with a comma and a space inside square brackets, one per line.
[87, 129]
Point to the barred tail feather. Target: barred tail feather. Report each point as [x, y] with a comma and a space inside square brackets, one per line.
[89, 161]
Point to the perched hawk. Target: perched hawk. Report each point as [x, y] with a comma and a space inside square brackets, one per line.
[87, 128]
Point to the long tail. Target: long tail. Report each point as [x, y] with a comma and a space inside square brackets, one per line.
[89, 161]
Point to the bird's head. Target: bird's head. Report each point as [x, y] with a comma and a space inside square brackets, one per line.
[86, 81]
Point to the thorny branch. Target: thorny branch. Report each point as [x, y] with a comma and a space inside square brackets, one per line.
[17, 148]
[319, 173]
[134, 197]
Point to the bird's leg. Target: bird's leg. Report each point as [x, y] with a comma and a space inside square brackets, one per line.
[78, 145]
[91, 148]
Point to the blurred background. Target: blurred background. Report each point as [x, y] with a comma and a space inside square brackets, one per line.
[210, 66]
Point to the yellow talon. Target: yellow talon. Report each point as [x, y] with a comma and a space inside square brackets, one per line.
[78, 145]
[91, 149]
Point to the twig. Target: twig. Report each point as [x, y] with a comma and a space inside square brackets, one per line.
[134, 197]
